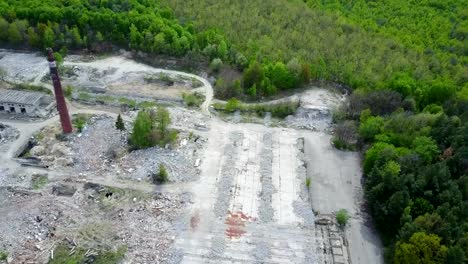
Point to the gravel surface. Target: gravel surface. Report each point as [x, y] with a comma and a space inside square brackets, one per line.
[228, 172]
[265, 210]
[7, 134]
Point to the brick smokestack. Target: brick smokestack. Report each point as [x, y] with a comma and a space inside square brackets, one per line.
[59, 97]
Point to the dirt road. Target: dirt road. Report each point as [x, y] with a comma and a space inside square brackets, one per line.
[336, 184]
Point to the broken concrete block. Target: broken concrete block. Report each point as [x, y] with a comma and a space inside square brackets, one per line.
[63, 190]
[37, 151]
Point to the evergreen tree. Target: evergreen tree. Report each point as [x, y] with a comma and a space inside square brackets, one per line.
[119, 124]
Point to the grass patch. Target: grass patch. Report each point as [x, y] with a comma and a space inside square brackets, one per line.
[30, 87]
[84, 96]
[128, 102]
[62, 256]
[147, 104]
[38, 181]
[280, 110]
[193, 99]
[105, 99]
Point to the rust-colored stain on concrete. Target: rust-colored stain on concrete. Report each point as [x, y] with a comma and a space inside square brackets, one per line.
[236, 223]
[195, 220]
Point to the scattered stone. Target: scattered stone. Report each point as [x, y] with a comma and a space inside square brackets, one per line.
[63, 190]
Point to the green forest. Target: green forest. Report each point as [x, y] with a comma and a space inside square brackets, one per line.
[405, 62]
[98, 26]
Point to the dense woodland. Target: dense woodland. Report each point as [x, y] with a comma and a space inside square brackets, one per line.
[98, 26]
[406, 62]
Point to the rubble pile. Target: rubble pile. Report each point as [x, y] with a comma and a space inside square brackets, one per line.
[52, 152]
[315, 110]
[36, 223]
[312, 118]
[7, 134]
[188, 119]
[98, 145]
[141, 164]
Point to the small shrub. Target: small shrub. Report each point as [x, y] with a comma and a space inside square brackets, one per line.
[308, 181]
[80, 122]
[232, 105]
[119, 124]
[161, 176]
[194, 99]
[38, 181]
[68, 91]
[216, 65]
[341, 145]
[3, 255]
[342, 217]
[61, 137]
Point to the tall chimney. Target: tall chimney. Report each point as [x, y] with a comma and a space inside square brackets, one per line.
[61, 104]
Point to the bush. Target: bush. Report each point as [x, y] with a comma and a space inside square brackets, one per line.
[216, 65]
[232, 105]
[192, 99]
[342, 217]
[3, 255]
[140, 137]
[68, 91]
[151, 129]
[161, 176]
[79, 121]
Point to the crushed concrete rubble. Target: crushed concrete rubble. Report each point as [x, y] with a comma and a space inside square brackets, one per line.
[236, 194]
[34, 224]
[7, 134]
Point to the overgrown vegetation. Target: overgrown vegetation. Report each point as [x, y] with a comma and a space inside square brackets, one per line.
[30, 87]
[279, 110]
[193, 99]
[151, 128]
[62, 254]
